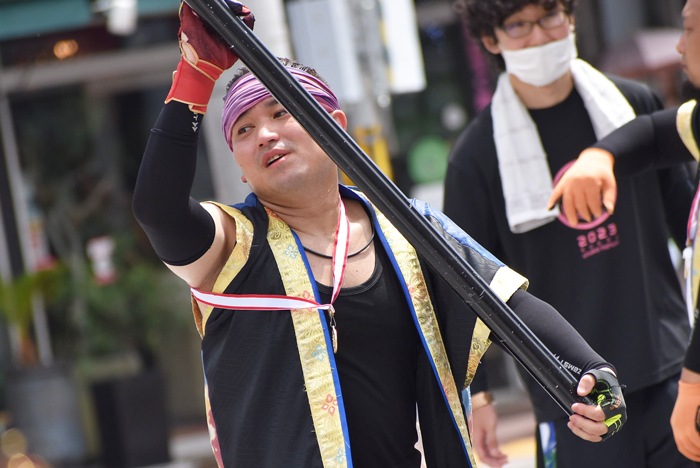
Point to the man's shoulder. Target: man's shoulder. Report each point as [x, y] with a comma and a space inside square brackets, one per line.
[476, 140]
[482, 121]
[642, 99]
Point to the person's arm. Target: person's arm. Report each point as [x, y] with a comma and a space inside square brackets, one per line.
[596, 376]
[692, 355]
[684, 419]
[190, 239]
[647, 142]
[187, 237]
[484, 424]
[677, 188]
[557, 334]
[589, 422]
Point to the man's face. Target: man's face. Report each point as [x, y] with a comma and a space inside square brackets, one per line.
[689, 44]
[522, 19]
[274, 152]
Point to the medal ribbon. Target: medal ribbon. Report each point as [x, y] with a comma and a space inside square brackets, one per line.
[689, 260]
[693, 218]
[272, 302]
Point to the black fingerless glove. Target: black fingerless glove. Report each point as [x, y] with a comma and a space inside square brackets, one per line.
[607, 393]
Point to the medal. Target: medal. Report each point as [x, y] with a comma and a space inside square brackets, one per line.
[334, 331]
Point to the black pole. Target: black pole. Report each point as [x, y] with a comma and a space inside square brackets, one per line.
[340, 147]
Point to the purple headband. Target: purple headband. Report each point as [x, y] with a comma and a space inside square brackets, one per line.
[248, 91]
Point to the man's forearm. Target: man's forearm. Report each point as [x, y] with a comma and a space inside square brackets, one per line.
[647, 142]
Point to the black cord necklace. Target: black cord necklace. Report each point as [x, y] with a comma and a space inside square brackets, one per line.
[349, 255]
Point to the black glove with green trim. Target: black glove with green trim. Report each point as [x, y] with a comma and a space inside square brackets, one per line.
[607, 393]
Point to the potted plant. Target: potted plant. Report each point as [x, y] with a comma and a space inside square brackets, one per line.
[16, 298]
[41, 399]
[126, 319]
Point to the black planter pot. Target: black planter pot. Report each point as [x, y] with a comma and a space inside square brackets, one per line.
[132, 418]
[44, 406]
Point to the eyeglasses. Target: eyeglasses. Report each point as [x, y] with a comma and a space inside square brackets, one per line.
[519, 29]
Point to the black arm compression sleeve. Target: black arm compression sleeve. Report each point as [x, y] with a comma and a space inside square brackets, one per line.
[647, 142]
[552, 330]
[692, 354]
[179, 229]
[555, 332]
[677, 192]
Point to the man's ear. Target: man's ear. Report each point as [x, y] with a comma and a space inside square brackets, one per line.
[340, 117]
[491, 44]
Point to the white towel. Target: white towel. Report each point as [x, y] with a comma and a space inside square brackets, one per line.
[525, 173]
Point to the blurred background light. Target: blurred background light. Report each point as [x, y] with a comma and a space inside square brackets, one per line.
[64, 49]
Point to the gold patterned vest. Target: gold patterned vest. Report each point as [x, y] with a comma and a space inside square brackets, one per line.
[684, 124]
[312, 335]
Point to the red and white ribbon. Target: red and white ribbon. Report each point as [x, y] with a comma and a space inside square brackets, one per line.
[272, 302]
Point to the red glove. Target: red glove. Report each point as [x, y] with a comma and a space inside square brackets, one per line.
[205, 56]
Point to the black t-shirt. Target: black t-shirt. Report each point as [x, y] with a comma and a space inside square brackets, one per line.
[613, 280]
[377, 357]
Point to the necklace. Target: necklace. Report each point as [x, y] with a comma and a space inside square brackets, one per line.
[349, 255]
[265, 302]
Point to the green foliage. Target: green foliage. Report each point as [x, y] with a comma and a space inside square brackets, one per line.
[73, 157]
[16, 300]
[137, 311]
[16, 296]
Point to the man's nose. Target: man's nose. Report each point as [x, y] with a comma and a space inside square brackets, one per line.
[266, 134]
[539, 36]
[680, 47]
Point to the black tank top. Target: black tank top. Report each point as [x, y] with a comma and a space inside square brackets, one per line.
[376, 359]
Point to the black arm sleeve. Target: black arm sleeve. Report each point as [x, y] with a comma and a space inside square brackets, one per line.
[692, 355]
[647, 142]
[179, 229]
[677, 191]
[555, 332]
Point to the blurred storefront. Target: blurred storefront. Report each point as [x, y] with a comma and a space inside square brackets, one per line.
[108, 335]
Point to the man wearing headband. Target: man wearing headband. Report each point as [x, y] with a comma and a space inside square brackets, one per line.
[547, 107]
[322, 332]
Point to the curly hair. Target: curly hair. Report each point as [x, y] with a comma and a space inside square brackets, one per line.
[241, 72]
[484, 16]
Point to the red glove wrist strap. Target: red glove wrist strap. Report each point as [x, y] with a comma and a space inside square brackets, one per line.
[193, 86]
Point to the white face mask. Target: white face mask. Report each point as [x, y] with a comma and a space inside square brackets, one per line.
[541, 65]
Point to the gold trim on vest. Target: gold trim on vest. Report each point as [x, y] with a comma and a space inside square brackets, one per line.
[408, 263]
[684, 124]
[234, 264]
[311, 343]
[504, 284]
